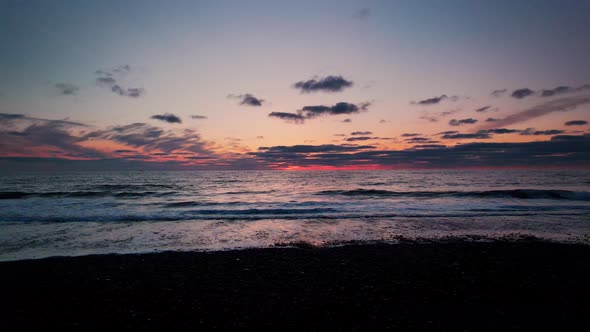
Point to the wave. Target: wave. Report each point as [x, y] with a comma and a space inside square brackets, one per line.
[254, 192]
[133, 186]
[515, 193]
[82, 194]
[313, 216]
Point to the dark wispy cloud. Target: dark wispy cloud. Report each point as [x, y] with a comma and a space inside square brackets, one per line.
[500, 131]
[455, 122]
[435, 100]
[421, 140]
[151, 138]
[325, 84]
[488, 133]
[435, 117]
[362, 14]
[526, 92]
[558, 151]
[410, 135]
[499, 92]
[313, 148]
[347, 121]
[289, 117]
[362, 133]
[558, 105]
[522, 93]
[576, 123]
[360, 138]
[533, 132]
[311, 112]
[483, 109]
[478, 135]
[67, 89]
[198, 117]
[167, 117]
[109, 78]
[247, 100]
[429, 146]
[20, 134]
[338, 109]
[557, 91]
[14, 120]
[491, 120]
[448, 132]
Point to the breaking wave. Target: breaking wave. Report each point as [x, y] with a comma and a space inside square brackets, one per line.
[515, 193]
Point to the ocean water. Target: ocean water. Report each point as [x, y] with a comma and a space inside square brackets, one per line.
[57, 214]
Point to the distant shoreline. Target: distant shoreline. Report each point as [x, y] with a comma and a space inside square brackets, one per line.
[525, 284]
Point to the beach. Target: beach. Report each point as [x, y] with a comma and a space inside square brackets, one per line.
[454, 285]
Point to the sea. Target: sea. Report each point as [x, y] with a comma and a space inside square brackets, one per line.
[82, 213]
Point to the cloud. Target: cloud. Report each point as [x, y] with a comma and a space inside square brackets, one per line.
[106, 81]
[347, 121]
[576, 123]
[167, 117]
[501, 131]
[67, 89]
[435, 117]
[455, 122]
[247, 100]
[150, 138]
[109, 78]
[326, 84]
[525, 92]
[129, 92]
[364, 133]
[558, 105]
[8, 120]
[491, 120]
[50, 141]
[360, 138]
[362, 14]
[289, 117]
[198, 117]
[429, 146]
[498, 93]
[311, 112]
[483, 109]
[417, 139]
[410, 135]
[557, 91]
[23, 135]
[522, 93]
[533, 132]
[558, 151]
[434, 100]
[312, 148]
[448, 132]
[478, 135]
[562, 90]
[340, 108]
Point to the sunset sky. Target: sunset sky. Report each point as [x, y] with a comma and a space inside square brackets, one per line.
[294, 84]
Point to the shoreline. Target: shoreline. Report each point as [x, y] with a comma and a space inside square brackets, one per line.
[523, 284]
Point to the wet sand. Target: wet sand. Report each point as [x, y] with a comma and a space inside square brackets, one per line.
[446, 285]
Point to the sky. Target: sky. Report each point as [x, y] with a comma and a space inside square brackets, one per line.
[290, 85]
